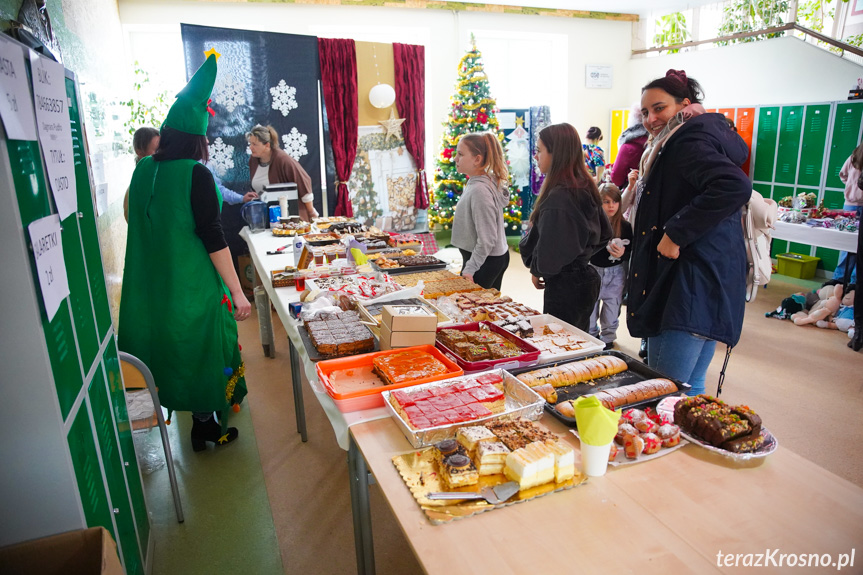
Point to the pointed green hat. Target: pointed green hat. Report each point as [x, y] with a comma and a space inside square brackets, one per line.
[189, 113]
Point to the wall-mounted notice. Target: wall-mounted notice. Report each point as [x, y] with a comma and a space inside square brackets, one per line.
[598, 76]
[55, 131]
[50, 265]
[16, 108]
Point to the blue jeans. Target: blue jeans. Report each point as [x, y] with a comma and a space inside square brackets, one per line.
[839, 272]
[682, 356]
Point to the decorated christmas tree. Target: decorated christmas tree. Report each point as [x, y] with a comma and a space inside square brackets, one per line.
[472, 109]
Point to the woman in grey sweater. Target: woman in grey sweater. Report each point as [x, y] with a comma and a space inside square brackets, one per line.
[478, 228]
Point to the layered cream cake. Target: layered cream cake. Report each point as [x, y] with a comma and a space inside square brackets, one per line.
[490, 457]
[564, 461]
[458, 470]
[530, 466]
[471, 436]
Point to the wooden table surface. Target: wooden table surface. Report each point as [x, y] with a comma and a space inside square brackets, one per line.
[670, 515]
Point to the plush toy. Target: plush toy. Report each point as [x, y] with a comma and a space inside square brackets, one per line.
[843, 319]
[789, 306]
[617, 242]
[824, 308]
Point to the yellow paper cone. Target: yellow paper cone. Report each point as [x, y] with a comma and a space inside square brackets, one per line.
[359, 257]
[597, 425]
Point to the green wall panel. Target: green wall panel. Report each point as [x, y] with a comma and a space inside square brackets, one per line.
[114, 474]
[778, 247]
[834, 199]
[765, 143]
[846, 131]
[796, 248]
[780, 192]
[829, 258]
[127, 444]
[814, 140]
[788, 154]
[79, 293]
[762, 189]
[91, 485]
[87, 220]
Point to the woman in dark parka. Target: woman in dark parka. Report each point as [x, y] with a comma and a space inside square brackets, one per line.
[688, 266]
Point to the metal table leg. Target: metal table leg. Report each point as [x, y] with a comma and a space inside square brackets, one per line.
[265, 322]
[297, 382]
[358, 475]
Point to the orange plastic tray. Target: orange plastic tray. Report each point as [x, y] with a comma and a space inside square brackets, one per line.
[369, 396]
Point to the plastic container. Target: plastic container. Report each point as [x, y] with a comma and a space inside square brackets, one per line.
[796, 265]
[370, 396]
[526, 359]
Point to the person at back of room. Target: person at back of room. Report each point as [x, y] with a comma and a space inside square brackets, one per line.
[850, 174]
[594, 157]
[688, 265]
[609, 264]
[181, 296]
[478, 227]
[145, 142]
[269, 164]
[566, 228]
[630, 147]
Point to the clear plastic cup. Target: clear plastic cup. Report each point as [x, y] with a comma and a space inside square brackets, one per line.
[594, 459]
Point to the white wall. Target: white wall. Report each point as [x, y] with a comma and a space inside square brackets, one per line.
[446, 37]
[778, 71]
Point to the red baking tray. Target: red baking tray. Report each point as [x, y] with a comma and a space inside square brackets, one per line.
[369, 395]
[528, 358]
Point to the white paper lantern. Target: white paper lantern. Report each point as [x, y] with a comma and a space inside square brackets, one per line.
[382, 96]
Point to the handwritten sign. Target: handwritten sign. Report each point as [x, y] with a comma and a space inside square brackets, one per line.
[16, 108]
[55, 130]
[50, 265]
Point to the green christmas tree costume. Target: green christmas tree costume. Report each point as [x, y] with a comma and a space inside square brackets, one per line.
[176, 312]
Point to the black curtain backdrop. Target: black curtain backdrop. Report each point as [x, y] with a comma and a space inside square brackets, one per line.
[263, 78]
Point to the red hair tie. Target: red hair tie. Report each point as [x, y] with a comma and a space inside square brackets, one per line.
[678, 75]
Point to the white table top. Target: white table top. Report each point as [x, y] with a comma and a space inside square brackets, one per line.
[821, 237]
[259, 244]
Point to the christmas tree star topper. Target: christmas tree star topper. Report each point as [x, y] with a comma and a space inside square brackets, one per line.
[212, 51]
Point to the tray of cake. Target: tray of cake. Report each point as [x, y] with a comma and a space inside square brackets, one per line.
[483, 345]
[432, 412]
[356, 382]
[407, 264]
[358, 286]
[616, 379]
[336, 334]
[321, 239]
[555, 339]
[413, 278]
[290, 227]
[734, 431]
[513, 460]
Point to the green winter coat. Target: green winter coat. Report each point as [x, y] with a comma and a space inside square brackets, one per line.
[175, 312]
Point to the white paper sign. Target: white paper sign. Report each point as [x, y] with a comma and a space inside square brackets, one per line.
[598, 76]
[50, 265]
[16, 108]
[55, 131]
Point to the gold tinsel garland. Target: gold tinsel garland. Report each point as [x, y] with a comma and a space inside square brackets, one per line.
[232, 382]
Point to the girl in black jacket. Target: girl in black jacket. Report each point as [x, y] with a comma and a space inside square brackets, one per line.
[688, 266]
[567, 226]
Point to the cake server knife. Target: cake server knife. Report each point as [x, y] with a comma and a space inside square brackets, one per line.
[494, 495]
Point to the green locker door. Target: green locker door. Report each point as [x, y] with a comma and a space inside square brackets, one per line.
[88, 474]
[87, 221]
[814, 142]
[846, 131]
[79, 292]
[114, 474]
[127, 444]
[788, 153]
[765, 144]
[33, 204]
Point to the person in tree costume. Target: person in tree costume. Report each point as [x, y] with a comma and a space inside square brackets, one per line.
[181, 297]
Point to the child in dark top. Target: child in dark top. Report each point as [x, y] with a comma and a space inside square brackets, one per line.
[566, 228]
[609, 263]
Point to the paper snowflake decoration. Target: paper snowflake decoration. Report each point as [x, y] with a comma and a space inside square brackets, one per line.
[295, 144]
[221, 156]
[229, 93]
[284, 98]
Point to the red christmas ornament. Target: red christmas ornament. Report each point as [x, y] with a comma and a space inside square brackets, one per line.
[447, 153]
[481, 118]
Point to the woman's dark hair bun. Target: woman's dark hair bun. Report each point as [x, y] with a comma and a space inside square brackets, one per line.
[594, 133]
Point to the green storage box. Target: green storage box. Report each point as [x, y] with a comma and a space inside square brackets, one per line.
[797, 265]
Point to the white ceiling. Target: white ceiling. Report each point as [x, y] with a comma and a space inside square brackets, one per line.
[640, 7]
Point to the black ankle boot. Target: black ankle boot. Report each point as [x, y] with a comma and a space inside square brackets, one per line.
[210, 430]
[642, 351]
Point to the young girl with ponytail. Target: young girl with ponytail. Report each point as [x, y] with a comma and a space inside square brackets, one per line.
[478, 227]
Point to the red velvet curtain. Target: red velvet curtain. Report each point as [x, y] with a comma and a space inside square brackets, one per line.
[339, 81]
[409, 63]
